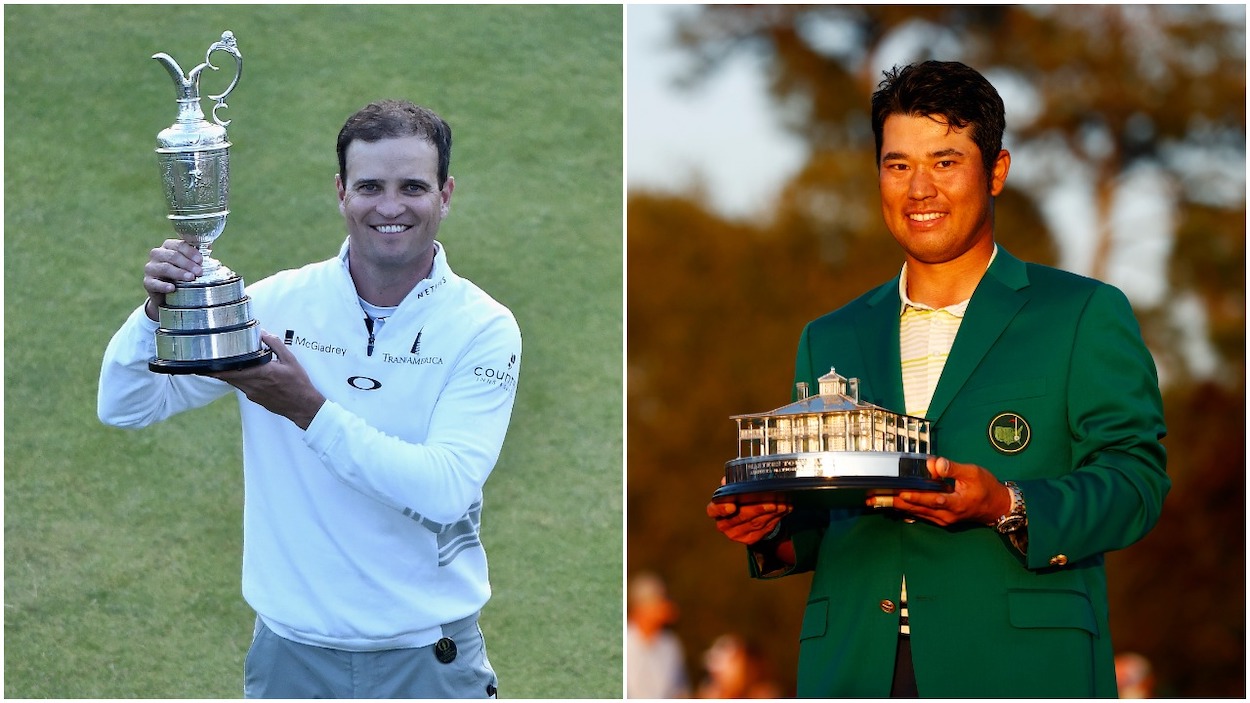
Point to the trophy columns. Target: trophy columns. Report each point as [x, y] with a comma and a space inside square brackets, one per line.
[206, 325]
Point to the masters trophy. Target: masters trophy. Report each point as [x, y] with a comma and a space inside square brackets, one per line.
[828, 450]
[206, 324]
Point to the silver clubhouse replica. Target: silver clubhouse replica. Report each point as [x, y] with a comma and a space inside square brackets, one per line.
[205, 325]
[830, 447]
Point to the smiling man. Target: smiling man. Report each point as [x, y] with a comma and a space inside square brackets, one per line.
[366, 440]
[1045, 413]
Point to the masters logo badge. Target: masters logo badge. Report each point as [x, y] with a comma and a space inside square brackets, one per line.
[1009, 433]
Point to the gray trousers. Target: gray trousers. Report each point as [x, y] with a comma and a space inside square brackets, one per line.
[279, 668]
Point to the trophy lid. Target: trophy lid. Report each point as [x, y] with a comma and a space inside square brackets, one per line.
[191, 131]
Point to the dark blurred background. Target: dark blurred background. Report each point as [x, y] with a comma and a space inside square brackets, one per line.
[1140, 109]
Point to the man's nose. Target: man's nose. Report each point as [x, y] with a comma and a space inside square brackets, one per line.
[921, 185]
[389, 205]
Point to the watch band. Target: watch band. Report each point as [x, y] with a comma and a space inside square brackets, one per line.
[1016, 518]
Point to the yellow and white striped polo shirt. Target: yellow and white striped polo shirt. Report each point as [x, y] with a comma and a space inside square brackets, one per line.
[925, 339]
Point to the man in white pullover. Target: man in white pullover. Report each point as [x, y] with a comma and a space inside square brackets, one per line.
[366, 440]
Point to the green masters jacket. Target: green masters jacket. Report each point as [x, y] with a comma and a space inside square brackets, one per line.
[1059, 360]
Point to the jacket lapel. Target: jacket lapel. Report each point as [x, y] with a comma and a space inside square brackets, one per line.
[878, 333]
[996, 300]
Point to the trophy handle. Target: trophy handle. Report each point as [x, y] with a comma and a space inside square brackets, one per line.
[189, 85]
[229, 45]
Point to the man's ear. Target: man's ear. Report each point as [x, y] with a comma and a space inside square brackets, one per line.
[999, 176]
[445, 196]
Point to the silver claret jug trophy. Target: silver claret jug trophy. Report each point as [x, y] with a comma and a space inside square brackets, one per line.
[830, 449]
[206, 325]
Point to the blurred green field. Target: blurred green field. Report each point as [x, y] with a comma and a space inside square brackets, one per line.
[122, 549]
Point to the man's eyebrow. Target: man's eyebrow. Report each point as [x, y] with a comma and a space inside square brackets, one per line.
[900, 156]
[404, 181]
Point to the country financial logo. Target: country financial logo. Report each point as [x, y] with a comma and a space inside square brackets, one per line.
[1010, 433]
[503, 378]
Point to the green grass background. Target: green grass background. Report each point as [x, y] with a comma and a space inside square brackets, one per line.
[122, 548]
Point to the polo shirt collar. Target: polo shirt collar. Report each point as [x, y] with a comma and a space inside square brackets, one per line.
[956, 309]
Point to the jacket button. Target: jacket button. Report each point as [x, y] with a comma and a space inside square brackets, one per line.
[887, 606]
[1059, 560]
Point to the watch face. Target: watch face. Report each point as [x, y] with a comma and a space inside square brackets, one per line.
[1011, 523]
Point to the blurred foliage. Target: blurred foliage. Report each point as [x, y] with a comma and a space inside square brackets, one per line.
[716, 306]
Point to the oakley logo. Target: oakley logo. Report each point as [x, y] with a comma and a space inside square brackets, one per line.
[364, 383]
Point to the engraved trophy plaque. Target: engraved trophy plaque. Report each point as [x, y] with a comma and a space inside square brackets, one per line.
[206, 324]
[828, 450]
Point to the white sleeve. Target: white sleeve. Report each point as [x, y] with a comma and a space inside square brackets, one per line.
[438, 479]
[130, 395]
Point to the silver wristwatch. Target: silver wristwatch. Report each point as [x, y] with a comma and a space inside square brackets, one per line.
[1016, 519]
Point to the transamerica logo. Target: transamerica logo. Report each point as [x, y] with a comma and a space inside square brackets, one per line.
[413, 360]
[292, 340]
[417, 360]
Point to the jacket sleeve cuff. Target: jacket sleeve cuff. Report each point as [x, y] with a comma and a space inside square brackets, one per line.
[763, 562]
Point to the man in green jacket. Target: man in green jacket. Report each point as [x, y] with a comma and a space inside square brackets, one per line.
[1045, 413]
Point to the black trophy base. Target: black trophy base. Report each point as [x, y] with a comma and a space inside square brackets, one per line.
[204, 366]
[825, 492]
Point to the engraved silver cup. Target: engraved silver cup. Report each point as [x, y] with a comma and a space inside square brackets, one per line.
[206, 324]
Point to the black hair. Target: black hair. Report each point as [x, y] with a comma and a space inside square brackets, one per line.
[959, 95]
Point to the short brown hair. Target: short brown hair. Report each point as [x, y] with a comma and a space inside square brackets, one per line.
[389, 119]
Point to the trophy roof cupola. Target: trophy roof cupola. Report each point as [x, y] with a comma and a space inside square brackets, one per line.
[834, 384]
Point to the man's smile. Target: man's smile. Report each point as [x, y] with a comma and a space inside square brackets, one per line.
[391, 229]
